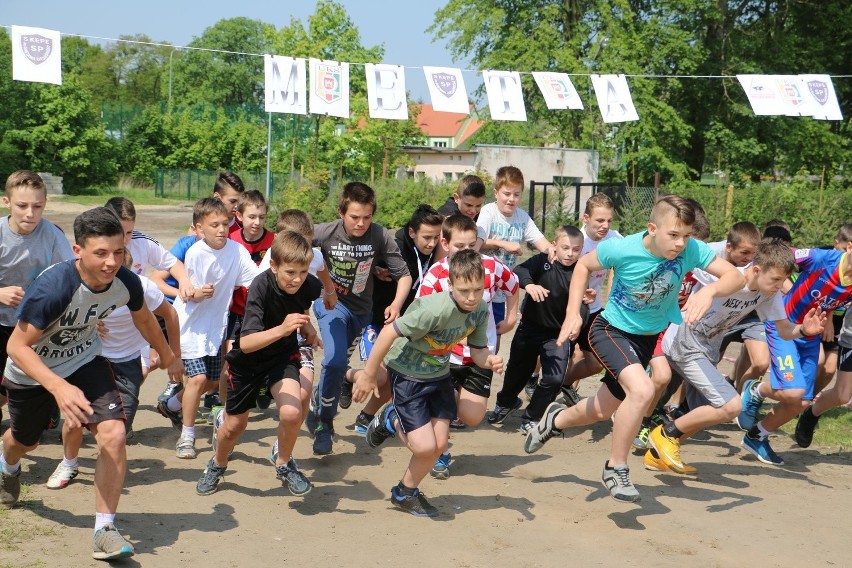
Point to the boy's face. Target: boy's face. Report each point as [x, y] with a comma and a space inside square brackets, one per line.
[467, 294]
[26, 206]
[213, 228]
[508, 197]
[598, 222]
[289, 276]
[669, 237]
[768, 281]
[253, 218]
[567, 249]
[843, 246]
[740, 255]
[128, 227]
[99, 259]
[468, 206]
[229, 197]
[357, 219]
[459, 240]
[426, 238]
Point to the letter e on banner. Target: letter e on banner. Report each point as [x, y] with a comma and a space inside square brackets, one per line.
[285, 87]
[386, 91]
[505, 95]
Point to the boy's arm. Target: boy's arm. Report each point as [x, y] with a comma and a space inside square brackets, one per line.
[508, 246]
[365, 379]
[730, 280]
[403, 285]
[576, 290]
[542, 245]
[71, 400]
[260, 339]
[185, 287]
[11, 296]
[812, 324]
[158, 277]
[329, 293]
[147, 325]
[483, 358]
[169, 315]
[511, 316]
[528, 273]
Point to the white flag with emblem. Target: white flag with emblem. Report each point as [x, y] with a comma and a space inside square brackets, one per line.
[446, 89]
[386, 91]
[330, 88]
[820, 90]
[505, 95]
[36, 55]
[614, 98]
[285, 84]
[558, 91]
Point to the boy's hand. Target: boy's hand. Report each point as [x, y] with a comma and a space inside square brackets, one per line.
[495, 363]
[536, 292]
[513, 248]
[72, 403]
[329, 300]
[364, 386]
[391, 313]
[175, 368]
[308, 333]
[589, 296]
[827, 331]
[186, 290]
[11, 296]
[203, 293]
[101, 329]
[816, 322]
[697, 305]
[570, 329]
[382, 274]
[293, 322]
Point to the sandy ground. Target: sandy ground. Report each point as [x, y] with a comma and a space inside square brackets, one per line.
[500, 507]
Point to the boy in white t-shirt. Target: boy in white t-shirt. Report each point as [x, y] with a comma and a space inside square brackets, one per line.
[215, 265]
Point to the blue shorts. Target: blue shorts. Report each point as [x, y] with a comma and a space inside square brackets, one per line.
[207, 365]
[418, 402]
[499, 311]
[792, 363]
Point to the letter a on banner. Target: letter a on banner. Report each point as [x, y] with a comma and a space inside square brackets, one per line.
[386, 91]
[330, 88]
[446, 89]
[614, 98]
[558, 91]
[505, 96]
[36, 55]
[285, 84]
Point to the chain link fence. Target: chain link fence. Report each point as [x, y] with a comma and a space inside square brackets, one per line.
[194, 184]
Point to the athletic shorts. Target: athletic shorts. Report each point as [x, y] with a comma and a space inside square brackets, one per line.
[235, 324]
[30, 407]
[418, 402]
[617, 350]
[306, 356]
[128, 378]
[498, 309]
[748, 328]
[244, 383]
[703, 376]
[583, 338]
[471, 378]
[210, 365]
[844, 360]
[792, 363]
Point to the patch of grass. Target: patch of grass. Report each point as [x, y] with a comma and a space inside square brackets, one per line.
[834, 430]
[98, 196]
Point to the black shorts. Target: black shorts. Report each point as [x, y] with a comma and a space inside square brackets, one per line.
[472, 378]
[583, 338]
[244, 383]
[235, 324]
[30, 407]
[844, 360]
[617, 350]
[418, 402]
[5, 332]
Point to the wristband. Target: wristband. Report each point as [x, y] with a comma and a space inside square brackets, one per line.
[324, 293]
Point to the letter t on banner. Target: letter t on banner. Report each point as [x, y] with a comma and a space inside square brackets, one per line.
[505, 96]
[330, 88]
[285, 84]
[386, 91]
[614, 98]
[36, 55]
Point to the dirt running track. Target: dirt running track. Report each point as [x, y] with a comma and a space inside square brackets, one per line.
[501, 507]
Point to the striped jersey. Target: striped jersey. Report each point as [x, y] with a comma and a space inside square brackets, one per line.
[820, 283]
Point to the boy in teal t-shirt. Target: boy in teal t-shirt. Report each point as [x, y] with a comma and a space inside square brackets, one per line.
[418, 347]
[648, 271]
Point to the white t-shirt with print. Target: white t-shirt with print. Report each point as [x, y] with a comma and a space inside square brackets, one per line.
[596, 278]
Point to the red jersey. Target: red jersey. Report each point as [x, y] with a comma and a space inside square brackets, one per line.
[257, 250]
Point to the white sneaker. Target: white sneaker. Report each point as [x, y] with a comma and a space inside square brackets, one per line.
[185, 448]
[62, 476]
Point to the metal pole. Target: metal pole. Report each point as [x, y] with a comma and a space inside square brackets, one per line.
[170, 76]
[268, 154]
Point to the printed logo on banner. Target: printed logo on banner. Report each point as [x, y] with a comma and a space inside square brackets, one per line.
[37, 48]
[558, 88]
[791, 94]
[819, 90]
[445, 83]
[328, 83]
[760, 89]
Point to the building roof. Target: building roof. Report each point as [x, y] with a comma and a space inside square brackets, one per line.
[448, 124]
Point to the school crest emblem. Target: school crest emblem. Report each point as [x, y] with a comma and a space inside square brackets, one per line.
[819, 90]
[328, 86]
[37, 48]
[446, 83]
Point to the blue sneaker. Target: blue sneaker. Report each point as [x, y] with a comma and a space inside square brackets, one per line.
[323, 438]
[311, 421]
[761, 450]
[751, 407]
[441, 469]
[381, 428]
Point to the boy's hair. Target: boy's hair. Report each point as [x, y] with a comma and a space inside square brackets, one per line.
[778, 232]
[598, 200]
[466, 265]
[228, 179]
[289, 247]
[674, 205]
[207, 206]
[97, 222]
[508, 175]
[425, 215]
[356, 192]
[26, 179]
[471, 186]
[776, 223]
[457, 224]
[251, 197]
[122, 207]
[743, 232]
[775, 253]
[567, 231]
[294, 220]
[844, 234]
[701, 227]
[697, 206]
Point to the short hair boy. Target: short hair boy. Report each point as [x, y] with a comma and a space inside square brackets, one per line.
[648, 269]
[266, 356]
[227, 188]
[54, 360]
[416, 351]
[467, 200]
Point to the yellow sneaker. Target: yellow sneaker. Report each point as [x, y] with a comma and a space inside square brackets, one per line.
[669, 451]
[653, 461]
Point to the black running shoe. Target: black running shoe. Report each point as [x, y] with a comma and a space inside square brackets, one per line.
[805, 426]
[381, 428]
[570, 396]
[345, 395]
[415, 504]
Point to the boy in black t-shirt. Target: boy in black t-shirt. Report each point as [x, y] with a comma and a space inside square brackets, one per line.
[266, 354]
[546, 283]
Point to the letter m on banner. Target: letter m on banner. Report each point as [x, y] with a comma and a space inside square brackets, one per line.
[285, 85]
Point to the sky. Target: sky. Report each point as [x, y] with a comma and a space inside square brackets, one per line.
[398, 24]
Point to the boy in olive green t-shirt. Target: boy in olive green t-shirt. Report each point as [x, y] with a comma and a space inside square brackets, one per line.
[418, 347]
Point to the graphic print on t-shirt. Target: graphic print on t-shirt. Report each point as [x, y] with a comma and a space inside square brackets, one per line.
[350, 266]
[654, 287]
